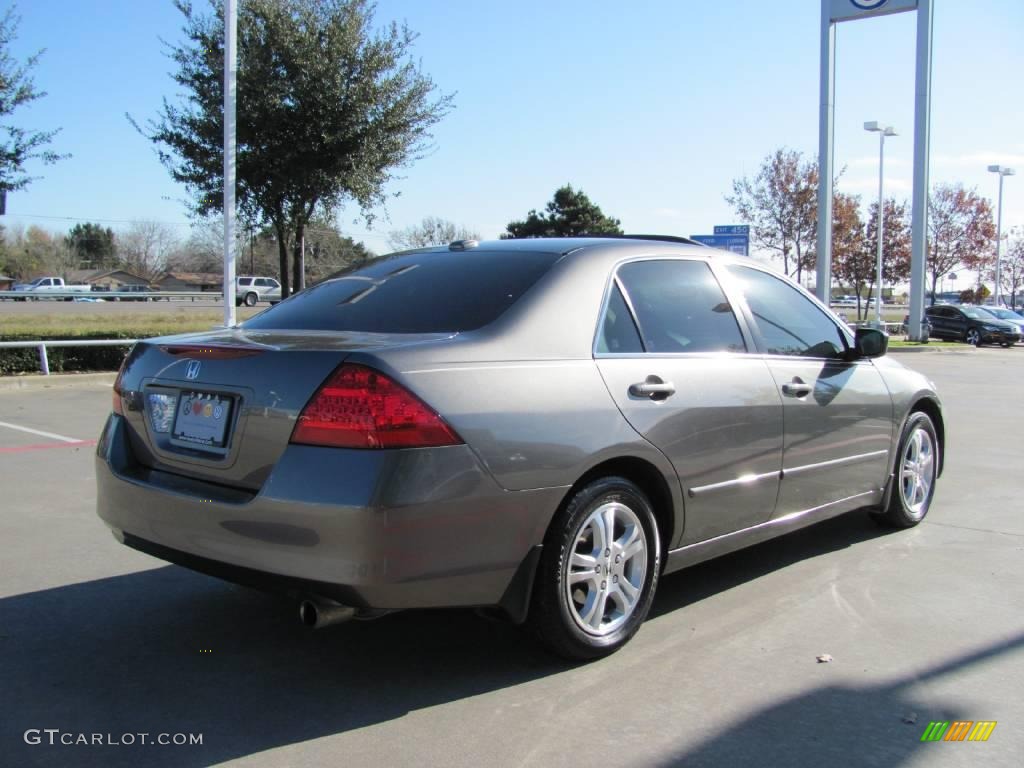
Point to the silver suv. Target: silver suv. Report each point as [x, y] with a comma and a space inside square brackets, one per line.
[252, 290]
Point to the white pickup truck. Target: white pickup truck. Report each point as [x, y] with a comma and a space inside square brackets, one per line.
[44, 285]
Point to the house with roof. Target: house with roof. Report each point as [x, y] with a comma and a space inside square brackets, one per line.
[105, 279]
[190, 281]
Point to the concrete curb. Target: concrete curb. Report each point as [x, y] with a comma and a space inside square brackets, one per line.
[56, 380]
[966, 350]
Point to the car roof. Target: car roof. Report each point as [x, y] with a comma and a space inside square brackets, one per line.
[612, 246]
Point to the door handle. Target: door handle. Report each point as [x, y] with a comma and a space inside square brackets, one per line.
[796, 388]
[653, 387]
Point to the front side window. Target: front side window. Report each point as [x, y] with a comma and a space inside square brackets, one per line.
[680, 307]
[789, 323]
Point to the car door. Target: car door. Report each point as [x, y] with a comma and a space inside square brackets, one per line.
[958, 324]
[674, 357]
[838, 414]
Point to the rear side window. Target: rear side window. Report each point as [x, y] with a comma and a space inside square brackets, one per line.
[680, 307]
[431, 292]
[618, 331]
[789, 322]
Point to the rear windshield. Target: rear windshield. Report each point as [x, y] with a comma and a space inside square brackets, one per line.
[413, 293]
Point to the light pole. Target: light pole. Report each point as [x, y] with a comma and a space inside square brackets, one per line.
[1003, 172]
[882, 130]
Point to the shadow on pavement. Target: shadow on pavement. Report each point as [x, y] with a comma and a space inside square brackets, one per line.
[850, 726]
[171, 651]
[691, 585]
[126, 655]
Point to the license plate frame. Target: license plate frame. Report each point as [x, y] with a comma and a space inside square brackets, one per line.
[207, 424]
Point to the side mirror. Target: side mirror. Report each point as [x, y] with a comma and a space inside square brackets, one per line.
[870, 342]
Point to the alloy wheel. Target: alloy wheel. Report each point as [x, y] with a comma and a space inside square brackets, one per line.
[917, 472]
[606, 569]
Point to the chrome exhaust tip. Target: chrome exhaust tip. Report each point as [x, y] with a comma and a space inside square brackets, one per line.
[316, 613]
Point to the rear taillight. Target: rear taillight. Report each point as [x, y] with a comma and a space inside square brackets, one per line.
[358, 407]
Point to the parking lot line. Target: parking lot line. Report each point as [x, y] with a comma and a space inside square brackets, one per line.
[39, 432]
[45, 446]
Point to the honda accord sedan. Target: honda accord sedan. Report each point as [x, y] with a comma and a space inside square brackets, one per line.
[538, 427]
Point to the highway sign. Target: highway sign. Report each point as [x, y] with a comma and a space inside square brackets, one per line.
[736, 243]
[732, 229]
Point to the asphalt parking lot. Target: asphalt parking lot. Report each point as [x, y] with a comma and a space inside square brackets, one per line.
[921, 625]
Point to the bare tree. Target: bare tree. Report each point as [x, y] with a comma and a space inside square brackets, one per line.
[960, 231]
[144, 247]
[1012, 272]
[780, 204]
[432, 230]
[29, 253]
[852, 265]
[203, 251]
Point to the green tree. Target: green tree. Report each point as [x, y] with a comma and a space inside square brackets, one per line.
[569, 213]
[328, 109]
[18, 145]
[780, 204]
[93, 245]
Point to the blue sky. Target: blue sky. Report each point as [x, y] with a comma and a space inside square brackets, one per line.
[652, 108]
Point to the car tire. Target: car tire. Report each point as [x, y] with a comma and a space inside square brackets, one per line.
[578, 615]
[973, 337]
[917, 468]
[251, 299]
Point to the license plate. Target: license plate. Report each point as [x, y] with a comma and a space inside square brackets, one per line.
[202, 419]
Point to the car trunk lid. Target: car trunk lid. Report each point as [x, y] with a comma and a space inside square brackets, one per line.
[221, 406]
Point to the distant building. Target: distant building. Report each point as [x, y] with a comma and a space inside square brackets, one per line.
[105, 279]
[6, 283]
[190, 281]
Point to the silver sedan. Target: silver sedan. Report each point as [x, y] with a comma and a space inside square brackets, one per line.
[538, 427]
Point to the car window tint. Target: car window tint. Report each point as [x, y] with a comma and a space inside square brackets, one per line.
[423, 292]
[618, 331]
[680, 307]
[789, 323]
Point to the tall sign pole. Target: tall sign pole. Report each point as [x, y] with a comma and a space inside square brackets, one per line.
[833, 12]
[230, 72]
[922, 151]
[826, 132]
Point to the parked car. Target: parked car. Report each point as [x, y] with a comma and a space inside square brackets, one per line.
[544, 426]
[252, 290]
[138, 293]
[844, 301]
[1007, 315]
[40, 287]
[973, 325]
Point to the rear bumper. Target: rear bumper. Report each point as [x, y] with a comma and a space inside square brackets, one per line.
[372, 529]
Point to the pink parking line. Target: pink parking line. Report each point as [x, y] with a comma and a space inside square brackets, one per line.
[46, 446]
